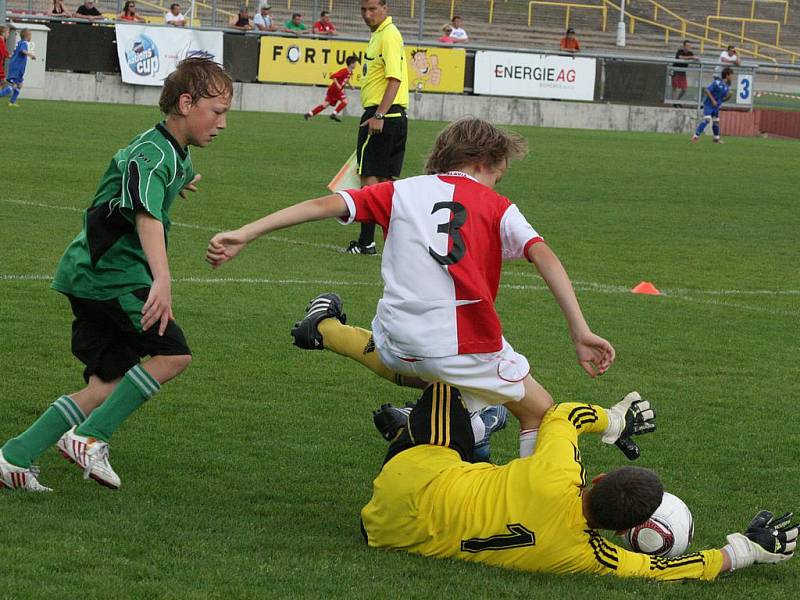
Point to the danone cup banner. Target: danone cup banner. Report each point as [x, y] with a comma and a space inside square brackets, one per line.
[147, 55]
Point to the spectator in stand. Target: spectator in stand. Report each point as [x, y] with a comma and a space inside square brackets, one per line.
[242, 22]
[458, 35]
[295, 25]
[263, 21]
[129, 13]
[325, 26]
[174, 16]
[88, 10]
[569, 43]
[4, 31]
[679, 83]
[58, 9]
[446, 38]
[727, 58]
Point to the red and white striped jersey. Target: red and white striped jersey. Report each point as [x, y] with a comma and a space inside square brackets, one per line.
[446, 238]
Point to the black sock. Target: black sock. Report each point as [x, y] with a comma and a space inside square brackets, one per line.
[367, 235]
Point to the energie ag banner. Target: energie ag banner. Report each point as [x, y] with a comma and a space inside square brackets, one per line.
[148, 54]
[534, 75]
[292, 60]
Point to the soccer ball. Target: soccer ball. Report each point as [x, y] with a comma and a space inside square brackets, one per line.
[667, 533]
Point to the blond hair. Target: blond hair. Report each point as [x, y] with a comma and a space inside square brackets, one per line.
[468, 141]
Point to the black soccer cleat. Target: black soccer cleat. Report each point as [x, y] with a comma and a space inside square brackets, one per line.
[389, 420]
[335, 117]
[357, 247]
[325, 306]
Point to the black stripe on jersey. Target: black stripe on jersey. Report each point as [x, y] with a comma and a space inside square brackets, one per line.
[582, 415]
[604, 553]
[662, 564]
[580, 464]
[133, 186]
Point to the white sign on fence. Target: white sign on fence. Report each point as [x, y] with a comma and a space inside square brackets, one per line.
[744, 89]
[534, 75]
[148, 54]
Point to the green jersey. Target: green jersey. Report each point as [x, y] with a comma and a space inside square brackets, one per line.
[106, 259]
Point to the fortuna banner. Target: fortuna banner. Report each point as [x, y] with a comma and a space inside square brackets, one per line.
[148, 54]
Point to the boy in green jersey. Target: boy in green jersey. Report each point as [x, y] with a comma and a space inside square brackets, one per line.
[116, 276]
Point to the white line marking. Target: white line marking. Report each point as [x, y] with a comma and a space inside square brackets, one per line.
[274, 238]
[508, 286]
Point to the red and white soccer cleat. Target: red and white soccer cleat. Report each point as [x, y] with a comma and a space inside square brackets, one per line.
[14, 477]
[91, 455]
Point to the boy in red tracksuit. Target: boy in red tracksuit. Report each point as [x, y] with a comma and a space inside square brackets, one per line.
[4, 31]
[335, 94]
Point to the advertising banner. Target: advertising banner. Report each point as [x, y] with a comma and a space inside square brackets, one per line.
[291, 60]
[148, 54]
[534, 75]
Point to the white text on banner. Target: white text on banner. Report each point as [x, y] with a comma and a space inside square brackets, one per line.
[148, 54]
[534, 75]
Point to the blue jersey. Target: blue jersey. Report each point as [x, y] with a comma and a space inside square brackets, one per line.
[719, 91]
[18, 63]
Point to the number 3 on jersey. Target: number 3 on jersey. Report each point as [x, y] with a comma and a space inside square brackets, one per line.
[451, 229]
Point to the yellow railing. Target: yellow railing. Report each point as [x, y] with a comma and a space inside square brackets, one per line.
[753, 8]
[744, 21]
[702, 38]
[453, 9]
[568, 5]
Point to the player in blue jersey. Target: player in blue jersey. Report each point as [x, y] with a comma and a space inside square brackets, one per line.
[16, 67]
[717, 93]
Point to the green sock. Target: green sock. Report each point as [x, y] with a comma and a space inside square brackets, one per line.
[135, 388]
[60, 416]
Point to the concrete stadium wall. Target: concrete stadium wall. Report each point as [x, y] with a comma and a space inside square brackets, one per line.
[427, 107]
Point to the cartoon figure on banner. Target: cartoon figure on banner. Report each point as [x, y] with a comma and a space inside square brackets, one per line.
[143, 57]
[426, 69]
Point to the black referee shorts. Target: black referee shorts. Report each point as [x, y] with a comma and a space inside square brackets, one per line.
[440, 418]
[107, 336]
[382, 155]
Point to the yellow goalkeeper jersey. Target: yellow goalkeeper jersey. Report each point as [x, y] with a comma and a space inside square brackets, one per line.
[524, 515]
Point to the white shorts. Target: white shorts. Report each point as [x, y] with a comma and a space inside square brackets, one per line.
[484, 379]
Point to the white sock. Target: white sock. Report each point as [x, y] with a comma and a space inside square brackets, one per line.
[478, 427]
[527, 441]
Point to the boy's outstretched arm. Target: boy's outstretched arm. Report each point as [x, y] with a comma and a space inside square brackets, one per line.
[158, 308]
[595, 354]
[224, 246]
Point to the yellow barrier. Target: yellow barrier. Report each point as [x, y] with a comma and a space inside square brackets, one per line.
[753, 8]
[568, 5]
[744, 21]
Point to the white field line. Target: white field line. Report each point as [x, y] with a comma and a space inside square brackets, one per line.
[617, 290]
[684, 294]
[274, 238]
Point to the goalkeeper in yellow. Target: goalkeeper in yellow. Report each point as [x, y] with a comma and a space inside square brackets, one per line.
[536, 513]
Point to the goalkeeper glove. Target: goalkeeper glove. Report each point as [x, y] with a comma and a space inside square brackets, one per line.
[630, 416]
[767, 540]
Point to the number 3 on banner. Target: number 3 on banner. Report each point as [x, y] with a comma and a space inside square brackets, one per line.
[744, 90]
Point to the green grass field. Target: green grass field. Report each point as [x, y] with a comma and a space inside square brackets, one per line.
[244, 478]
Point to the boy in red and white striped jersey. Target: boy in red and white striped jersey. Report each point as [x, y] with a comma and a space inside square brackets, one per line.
[447, 235]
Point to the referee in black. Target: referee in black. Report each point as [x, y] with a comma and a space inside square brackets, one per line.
[384, 95]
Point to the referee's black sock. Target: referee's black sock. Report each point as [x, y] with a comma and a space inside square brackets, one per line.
[367, 235]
